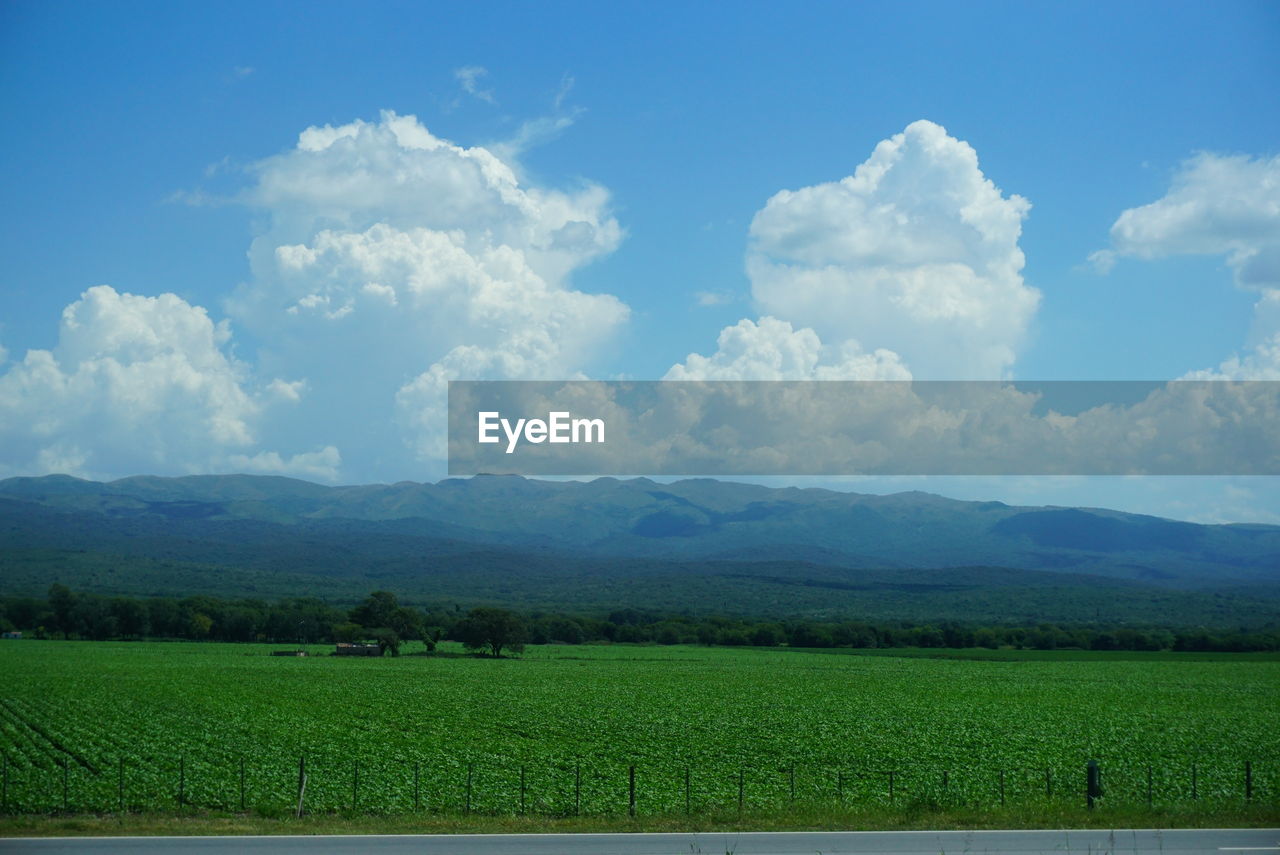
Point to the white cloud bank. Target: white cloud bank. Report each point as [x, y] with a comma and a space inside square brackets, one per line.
[771, 349]
[135, 384]
[914, 255]
[1218, 205]
[390, 261]
[396, 260]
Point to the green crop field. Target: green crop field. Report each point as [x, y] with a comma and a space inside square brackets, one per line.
[94, 726]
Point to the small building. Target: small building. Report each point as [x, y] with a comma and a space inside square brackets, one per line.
[357, 648]
[288, 653]
[14, 634]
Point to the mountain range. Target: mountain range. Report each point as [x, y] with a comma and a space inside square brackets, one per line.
[695, 545]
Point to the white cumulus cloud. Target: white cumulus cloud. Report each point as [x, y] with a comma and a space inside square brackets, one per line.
[393, 260]
[322, 465]
[135, 384]
[1260, 359]
[1226, 205]
[916, 252]
[1216, 205]
[771, 349]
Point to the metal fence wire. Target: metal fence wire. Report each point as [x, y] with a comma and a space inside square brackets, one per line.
[582, 787]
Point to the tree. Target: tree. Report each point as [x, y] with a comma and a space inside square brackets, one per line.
[91, 617]
[131, 616]
[165, 617]
[378, 609]
[199, 625]
[768, 635]
[492, 629]
[347, 632]
[387, 640]
[407, 623]
[62, 601]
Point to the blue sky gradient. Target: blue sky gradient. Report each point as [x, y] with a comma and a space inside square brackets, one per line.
[138, 133]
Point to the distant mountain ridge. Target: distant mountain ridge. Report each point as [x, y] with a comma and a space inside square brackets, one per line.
[639, 519]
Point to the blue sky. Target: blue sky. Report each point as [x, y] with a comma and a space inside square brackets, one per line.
[151, 146]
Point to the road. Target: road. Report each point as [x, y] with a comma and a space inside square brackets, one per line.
[1181, 842]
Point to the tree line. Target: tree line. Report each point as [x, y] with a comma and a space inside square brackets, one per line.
[382, 619]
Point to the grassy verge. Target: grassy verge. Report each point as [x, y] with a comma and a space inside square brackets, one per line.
[868, 819]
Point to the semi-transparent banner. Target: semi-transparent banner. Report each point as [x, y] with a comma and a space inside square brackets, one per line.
[588, 427]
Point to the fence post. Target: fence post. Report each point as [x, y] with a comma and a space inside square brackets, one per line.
[522, 791]
[740, 787]
[1093, 782]
[793, 781]
[1194, 792]
[417, 801]
[1148, 785]
[1001, 788]
[577, 789]
[470, 769]
[631, 791]
[242, 783]
[686, 790]
[120, 789]
[1048, 784]
[946, 779]
[1248, 780]
[302, 782]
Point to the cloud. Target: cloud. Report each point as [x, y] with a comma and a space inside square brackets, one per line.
[566, 86]
[388, 260]
[712, 298]
[469, 77]
[242, 71]
[322, 465]
[393, 260]
[916, 252]
[1217, 205]
[533, 133]
[1261, 357]
[135, 384]
[1103, 261]
[708, 427]
[771, 349]
[914, 255]
[1225, 205]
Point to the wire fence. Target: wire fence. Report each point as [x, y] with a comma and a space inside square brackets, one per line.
[454, 786]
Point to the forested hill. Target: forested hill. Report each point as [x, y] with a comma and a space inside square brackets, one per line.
[688, 544]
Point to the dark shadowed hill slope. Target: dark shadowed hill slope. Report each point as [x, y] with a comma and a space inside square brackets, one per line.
[692, 519]
[695, 546]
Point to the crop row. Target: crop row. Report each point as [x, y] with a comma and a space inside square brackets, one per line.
[155, 725]
[558, 789]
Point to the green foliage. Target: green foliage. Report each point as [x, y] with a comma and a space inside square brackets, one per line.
[348, 632]
[489, 629]
[388, 640]
[305, 620]
[376, 610]
[768, 554]
[837, 718]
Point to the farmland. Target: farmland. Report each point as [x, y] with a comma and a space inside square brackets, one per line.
[94, 726]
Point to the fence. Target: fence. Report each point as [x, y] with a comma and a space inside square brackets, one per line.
[577, 788]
